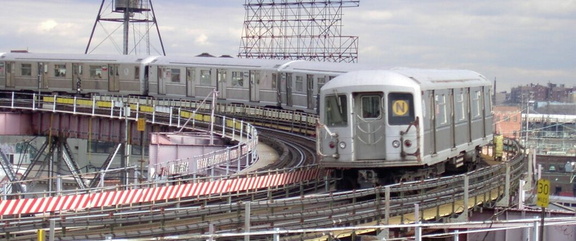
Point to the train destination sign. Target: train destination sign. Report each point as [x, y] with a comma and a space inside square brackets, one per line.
[400, 108]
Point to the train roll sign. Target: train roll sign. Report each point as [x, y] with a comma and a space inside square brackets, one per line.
[543, 193]
[400, 108]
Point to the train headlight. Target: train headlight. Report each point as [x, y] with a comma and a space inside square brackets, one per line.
[396, 143]
[332, 145]
[342, 145]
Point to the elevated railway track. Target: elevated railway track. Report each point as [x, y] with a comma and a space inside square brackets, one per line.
[302, 203]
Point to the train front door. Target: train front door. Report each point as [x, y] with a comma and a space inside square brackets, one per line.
[10, 74]
[369, 127]
[113, 78]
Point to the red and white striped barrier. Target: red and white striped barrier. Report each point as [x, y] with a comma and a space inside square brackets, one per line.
[145, 195]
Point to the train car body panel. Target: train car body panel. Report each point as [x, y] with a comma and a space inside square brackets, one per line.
[234, 80]
[283, 84]
[73, 73]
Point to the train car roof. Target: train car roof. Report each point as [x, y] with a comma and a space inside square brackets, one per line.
[444, 78]
[273, 64]
[425, 79]
[220, 61]
[108, 58]
[328, 67]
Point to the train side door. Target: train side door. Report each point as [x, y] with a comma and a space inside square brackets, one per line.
[221, 83]
[190, 75]
[113, 78]
[279, 79]
[3, 74]
[289, 89]
[442, 121]
[487, 113]
[44, 75]
[369, 127]
[461, 133]
[10, 74]
[477, 117]
[253, 86]
[310, 97]
[146, 80]
[76, 77]
[428, 120]
[164, 75]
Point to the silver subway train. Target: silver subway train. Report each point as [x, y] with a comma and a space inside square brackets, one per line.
[382, 126]
[287, 84]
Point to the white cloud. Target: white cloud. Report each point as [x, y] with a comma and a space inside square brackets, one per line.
[202, 39]
[47, 26]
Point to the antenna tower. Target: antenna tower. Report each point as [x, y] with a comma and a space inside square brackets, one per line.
[137, 17]
[297, 29]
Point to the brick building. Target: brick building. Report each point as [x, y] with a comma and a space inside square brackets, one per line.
[537, 92]
[508, 121]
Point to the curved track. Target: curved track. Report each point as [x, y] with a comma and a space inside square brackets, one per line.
[296, 150]
[190, 220]
[289, 207]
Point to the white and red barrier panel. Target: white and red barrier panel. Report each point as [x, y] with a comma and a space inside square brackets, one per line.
[124, 197]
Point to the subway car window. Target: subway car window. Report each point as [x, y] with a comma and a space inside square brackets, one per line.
[205, 77]
[175, 75]
[401, 108]
[476, 105]
[59, 70]
[336, 110]
[26, 70]
[460, 111]
[95, 71]
[371, 106]
[441, 109]
[137, 72]
[299, 84]
[238, 78]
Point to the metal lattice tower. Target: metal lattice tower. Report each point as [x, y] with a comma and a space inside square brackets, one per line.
[137, 18]
[297, 29]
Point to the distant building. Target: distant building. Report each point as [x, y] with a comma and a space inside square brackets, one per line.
[508, 121]
[537, 92]
[559, 93]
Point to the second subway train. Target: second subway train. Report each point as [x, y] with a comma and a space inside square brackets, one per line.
[291, 84]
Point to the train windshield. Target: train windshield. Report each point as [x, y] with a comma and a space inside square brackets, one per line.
[371, 106]
[336, 110]
[401, 108]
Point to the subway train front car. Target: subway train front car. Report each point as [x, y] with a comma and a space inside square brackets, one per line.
[383, 126]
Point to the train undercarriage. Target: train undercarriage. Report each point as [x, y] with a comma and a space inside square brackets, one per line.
[349, 179]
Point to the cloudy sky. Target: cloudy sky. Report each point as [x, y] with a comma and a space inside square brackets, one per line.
[516, 42]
